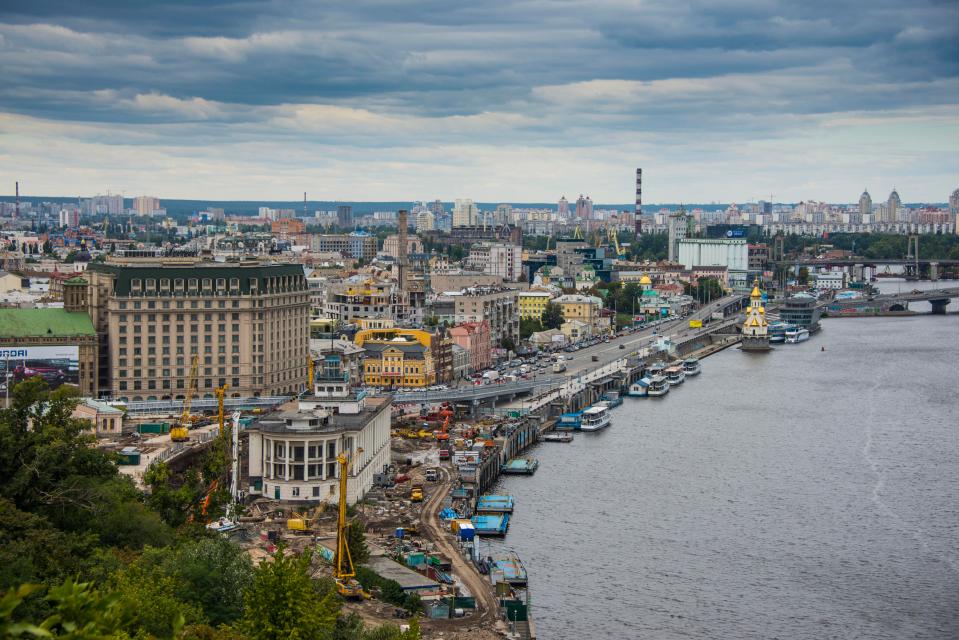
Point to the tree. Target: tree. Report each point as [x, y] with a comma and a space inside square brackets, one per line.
[154, 600]
[79, 612]
[283, 603]
[356, 539]
[529, 326]
[552, 316]
[214, 573]
[508, 344]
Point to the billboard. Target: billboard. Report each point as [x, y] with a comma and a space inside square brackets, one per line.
[57, 365]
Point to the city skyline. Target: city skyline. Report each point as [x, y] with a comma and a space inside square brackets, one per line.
[507, 102]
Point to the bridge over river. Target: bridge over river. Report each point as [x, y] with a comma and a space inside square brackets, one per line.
[893, 303]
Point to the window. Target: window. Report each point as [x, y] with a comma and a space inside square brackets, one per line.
[296, 492]
[316, 492]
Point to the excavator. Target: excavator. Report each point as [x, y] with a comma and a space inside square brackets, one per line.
[344, 574]
[444, 433]
[180, 432]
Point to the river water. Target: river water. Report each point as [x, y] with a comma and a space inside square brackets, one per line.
[797, 494]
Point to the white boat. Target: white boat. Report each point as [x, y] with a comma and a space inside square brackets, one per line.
[595, 418]
[675, 375]
[658, 386]
[639, 389]
[691, 367]
[797, 334]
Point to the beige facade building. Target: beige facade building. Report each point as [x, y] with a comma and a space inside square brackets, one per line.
[247, 323]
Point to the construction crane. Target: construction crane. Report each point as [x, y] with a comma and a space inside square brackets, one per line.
[180, 431]
[220, 394]
[577, 233]
[613, 235]
[344, 573]
[311, 371]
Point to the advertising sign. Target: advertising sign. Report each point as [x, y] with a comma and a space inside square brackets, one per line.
[59, 364]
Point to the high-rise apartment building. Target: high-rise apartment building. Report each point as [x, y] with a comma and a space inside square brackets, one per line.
[498, 259]
[465, 213]
[865, 203]
[584, 207]
[893, 205]
[145, 205]
[503, 214]
[954, 208]
[247, 323]
[562, 208]
[344, 215]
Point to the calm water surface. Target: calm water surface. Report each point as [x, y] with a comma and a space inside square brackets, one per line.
[797, 494]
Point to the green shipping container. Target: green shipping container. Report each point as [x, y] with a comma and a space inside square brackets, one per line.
[155, 427]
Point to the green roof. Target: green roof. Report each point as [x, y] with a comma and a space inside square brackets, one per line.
[38, 323]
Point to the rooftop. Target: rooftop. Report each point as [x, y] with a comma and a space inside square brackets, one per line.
[276, 422]
[37, 323]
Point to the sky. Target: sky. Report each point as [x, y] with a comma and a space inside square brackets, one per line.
[509, 101]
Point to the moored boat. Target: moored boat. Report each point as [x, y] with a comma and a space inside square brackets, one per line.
[558, 437]
[777, 331]
[675, 375]
[658, 386]
[692, 366]
[596, 417]
[797, 334]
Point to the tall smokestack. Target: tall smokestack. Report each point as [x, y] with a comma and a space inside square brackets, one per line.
[401, 259]
[638, 222]
[16, 213]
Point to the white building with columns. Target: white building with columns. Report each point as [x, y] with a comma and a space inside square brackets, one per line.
[292, 453]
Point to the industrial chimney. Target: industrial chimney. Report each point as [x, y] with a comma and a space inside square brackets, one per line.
[638, 221]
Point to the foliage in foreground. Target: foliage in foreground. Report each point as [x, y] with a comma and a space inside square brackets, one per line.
[84, 555]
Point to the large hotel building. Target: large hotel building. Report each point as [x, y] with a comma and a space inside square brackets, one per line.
[247, 322]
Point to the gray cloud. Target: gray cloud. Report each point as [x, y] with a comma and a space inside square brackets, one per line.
[387, 74]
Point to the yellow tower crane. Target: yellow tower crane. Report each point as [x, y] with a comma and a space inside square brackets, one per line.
[311, 372]
[344, 573]
[180, 431]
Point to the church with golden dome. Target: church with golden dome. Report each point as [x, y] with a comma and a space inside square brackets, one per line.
[755, 328]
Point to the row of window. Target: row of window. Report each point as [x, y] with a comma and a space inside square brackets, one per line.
[219, 285]
[208, 304]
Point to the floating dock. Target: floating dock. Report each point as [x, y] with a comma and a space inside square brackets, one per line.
[494, 504]
[558, 437]
[509, 568]
[521, 466]
[491, 525]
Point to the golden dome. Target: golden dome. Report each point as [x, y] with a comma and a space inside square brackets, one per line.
[645, 280]
[762, 309]
[756, 292]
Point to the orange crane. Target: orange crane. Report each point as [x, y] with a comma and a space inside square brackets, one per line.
[180, 431]
[444, 434]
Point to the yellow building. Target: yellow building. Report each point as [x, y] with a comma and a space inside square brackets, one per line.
[580, 307]
[397, 357]
[532, 304]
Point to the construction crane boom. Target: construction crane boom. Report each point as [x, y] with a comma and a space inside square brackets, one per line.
[343, 571]
[180, 431]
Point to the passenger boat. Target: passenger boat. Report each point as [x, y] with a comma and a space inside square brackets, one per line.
[658, 386]
[675, 375]
[797, 334]
[558, 437]
[777, 331]
[691, 367]
[595, 418]
[639, 389]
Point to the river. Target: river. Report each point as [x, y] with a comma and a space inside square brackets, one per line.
[797, 494]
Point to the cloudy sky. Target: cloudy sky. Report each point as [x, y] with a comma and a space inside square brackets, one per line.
[718, 100]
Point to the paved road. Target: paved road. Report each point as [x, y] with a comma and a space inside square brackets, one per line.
[606, 352]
